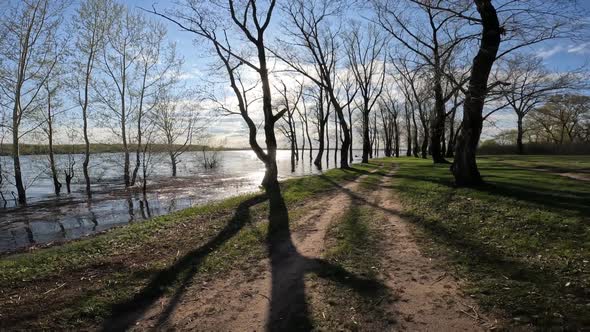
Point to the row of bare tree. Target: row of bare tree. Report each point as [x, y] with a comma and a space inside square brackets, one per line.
[405, 60]
[104, 66]
[400, 68]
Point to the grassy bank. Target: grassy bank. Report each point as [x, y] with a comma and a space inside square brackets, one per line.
[78, 285]
[523, 240]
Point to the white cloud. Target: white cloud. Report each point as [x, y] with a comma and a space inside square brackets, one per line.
[583, 48]
[546, 53]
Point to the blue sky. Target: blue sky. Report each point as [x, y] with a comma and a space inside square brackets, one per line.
[559, 55]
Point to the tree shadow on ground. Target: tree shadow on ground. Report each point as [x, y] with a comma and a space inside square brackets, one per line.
[523, 286]
[125, 314]
[288, 305]
[288, 310]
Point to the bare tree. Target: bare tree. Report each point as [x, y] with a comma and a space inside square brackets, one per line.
[525, 23]
[530, 85]
[210, 157]
[91, 23]
[313, 50]
[2, 137]
[304, 119]
[289, 102]
[159, 68]
[28, 54]
[433, 36]
[69, 169]
[177, 121]
[119, 63]
[563, 119]
[147, 156]
[350, 88]
[389, 111]
[321, 113]
[250, 20]
[454, 127]
[414, 85]
[50, 92]
[366, 56]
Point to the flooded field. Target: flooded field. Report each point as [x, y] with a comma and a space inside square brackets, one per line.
[49, 219]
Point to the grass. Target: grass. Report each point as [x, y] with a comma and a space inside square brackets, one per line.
[148, 258]
[561, 163]
[523, 239]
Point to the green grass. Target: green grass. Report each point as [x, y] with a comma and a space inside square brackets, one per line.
[523, 239]
[565, 163]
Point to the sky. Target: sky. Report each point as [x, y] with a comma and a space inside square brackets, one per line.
[559, 55]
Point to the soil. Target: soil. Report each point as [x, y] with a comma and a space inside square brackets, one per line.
[429, 298]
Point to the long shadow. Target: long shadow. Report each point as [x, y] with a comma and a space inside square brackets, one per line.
[360, 198]
[486, 260]
[125, 314]
[288, 307]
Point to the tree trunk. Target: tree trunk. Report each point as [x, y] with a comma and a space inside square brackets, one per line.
[350, 133]
[346, 147]
[425, 140]
[302, 150]
[18, 177]
[464, 167]
[451, 143]
[293, 148]
[69, 183]
[443, 143]
[318, 159]
[321, 130]
[519, 135]
[396, 137]
[86, 161]
[437, 126]
[173, 162]
[327, 135]
[139, 133]
[366, 137]
[336, 139]
[126, 165]
[56, 183]
[408, 136]
[270, 181]
[416, 148]
[309, 142]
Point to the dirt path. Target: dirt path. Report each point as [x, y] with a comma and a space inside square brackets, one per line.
[241, 301]
[429, 297]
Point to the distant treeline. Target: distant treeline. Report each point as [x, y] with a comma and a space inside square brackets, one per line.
[582, 148]
[39, 149]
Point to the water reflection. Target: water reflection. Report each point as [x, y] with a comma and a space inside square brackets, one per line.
[53, 219]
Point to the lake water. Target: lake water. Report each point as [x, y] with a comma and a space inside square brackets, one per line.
[49, 219]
